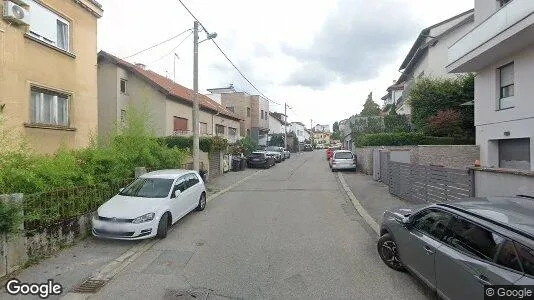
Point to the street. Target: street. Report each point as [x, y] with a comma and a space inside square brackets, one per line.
[287, 232]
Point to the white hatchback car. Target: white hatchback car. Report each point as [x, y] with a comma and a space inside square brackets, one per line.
[343, 160]
[150, 205]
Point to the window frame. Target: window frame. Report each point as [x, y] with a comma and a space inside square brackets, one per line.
[520, 261]
[248, 111]
[55, 93]
[125, 81]
[59, 18]
[201, 128]
[501, 98]
[123, 116]
[217, 133]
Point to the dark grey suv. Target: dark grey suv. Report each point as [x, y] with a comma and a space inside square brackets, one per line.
[458, 248]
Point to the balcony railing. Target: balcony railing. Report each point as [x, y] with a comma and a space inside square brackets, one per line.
[501, 20]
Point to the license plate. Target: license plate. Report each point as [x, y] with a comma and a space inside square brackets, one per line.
[255, 159]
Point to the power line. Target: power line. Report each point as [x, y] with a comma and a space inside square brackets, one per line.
[160, 43]
[173, 49]
[226, 56]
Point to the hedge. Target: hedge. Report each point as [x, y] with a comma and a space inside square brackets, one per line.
[407, 139]
[206, 144]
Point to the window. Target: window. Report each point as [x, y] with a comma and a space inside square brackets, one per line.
[48, 26]
[514, 154]
[248, 132]
[123, 86]
[230, 108]
[203, 128]
[504, 2]
[219, 129]
[123, 116]
[232, 131]
[506, 75]
[192, 179]
[475, 240]
[180, 124]
[343, 155]
[49, 107]
[507, 256]
[248, 111]
[433, 222]
[262, 114]
[526, 256]
[148, 188]
[181, 184]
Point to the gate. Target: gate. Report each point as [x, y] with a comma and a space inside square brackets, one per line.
[384, 163]
[215, 165]
[429, 184]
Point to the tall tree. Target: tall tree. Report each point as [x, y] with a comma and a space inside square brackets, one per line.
[370, 108]
[335, 127]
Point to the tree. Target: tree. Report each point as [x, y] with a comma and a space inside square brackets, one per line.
[394, 122]
[430, 96]
[336, 134]
[446, 123]
[335, 127]
[370, 108]
[277, 140]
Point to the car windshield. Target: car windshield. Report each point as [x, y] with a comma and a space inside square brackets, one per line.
[277, 149]
[148, 188]
[343, 155]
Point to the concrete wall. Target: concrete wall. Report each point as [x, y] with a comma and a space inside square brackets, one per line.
[240, 102]
[518, 121]
[364, 156]
[491, 182]
[107, 99]
[26, 62]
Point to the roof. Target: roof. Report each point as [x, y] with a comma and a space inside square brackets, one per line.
[420, 45]
[396, 87]
[277, 116]
[168, 87]
[299, 123]
[170, 173]
[515, 212]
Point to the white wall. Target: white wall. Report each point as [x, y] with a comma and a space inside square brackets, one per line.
[518, 121]
[484, 9]
[275, 126]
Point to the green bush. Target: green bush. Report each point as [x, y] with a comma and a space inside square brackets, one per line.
[406, 139]
[206, 144]
[10, 217]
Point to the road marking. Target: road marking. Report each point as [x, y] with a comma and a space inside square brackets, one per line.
[109, 271]
[357, 204]
[212, 197]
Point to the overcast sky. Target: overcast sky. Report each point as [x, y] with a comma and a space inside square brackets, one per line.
[323, 57]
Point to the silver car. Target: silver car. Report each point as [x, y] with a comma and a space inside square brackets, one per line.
[458, 248]
[342, 160]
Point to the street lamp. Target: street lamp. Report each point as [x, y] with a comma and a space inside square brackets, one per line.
[196, 108]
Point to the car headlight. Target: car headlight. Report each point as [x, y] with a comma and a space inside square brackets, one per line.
[144, 218]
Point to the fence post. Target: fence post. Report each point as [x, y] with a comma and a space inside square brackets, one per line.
[472, 190]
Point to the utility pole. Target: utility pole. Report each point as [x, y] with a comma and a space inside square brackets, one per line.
[285, 126]
[196, 143]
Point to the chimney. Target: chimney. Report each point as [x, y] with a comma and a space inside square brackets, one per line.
[140, 65]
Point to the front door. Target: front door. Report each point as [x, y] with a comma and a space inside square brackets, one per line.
[422, 241]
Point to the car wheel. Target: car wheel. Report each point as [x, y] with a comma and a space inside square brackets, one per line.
[202, 202]
[388, 251]
[163, 226]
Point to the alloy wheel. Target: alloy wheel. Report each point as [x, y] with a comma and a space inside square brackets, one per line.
[389, 254]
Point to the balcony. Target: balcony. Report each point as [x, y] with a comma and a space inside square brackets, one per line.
[507, 31]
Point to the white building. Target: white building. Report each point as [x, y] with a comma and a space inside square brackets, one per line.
[428, 57]
[300, 131]
[322, 128]
[500, 49]
[277, 123]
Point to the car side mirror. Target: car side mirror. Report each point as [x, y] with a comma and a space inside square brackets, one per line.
[120, 190]
[177, 193]
[401, 219]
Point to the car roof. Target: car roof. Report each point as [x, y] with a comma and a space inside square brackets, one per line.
[339, 151]
[168, 174]
[514, 212]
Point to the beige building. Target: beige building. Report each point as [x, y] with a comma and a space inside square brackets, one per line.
[253, 109]
[48, 76]
[170, 105]
[322, 138]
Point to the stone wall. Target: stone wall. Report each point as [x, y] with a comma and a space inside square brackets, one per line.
[453, 156]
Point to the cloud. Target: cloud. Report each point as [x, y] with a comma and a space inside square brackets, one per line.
[356, 40]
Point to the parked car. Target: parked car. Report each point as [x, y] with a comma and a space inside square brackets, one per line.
[260, 159]
[308, 147]
[330, 151]
[458, 248]
[287, 153]
[275, 154]
[277, 149]
[150, 205]
[343, 160]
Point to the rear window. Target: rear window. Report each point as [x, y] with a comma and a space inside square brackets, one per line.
[276, 149]
[343, 155]
[257, 155]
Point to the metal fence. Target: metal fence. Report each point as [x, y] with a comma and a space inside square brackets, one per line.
[45, 209]
[429, 184]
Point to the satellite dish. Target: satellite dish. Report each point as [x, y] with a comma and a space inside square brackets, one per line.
[18, 12]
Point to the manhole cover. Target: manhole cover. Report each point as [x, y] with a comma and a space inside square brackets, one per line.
[89, 286]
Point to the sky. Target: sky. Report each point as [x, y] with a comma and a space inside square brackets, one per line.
[321, 57]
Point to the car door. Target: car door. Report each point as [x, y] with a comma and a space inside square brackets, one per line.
[194, 194]
[179, 205]
[473, 256]
[418, 245]
[526, 257]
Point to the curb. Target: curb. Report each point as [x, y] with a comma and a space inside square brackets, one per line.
[357, 204]
[109, 271]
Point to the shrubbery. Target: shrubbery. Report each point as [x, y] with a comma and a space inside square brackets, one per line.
[405, 139]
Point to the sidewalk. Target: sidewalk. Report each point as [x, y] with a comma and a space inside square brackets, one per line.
[374, 196]
[73, 265]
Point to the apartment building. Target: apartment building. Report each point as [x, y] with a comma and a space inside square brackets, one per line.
[48, 78]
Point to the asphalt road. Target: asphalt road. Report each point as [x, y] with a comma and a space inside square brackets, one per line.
[289, 232]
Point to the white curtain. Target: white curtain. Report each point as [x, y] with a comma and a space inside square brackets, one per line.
[62, 35]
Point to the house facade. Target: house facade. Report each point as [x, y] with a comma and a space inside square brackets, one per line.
[123, 85]
[428, 58]
[500, 49]
[252, 109]
[48, 78]
[277, 123]
[322, 138]
[300, 131]
[322, 128]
